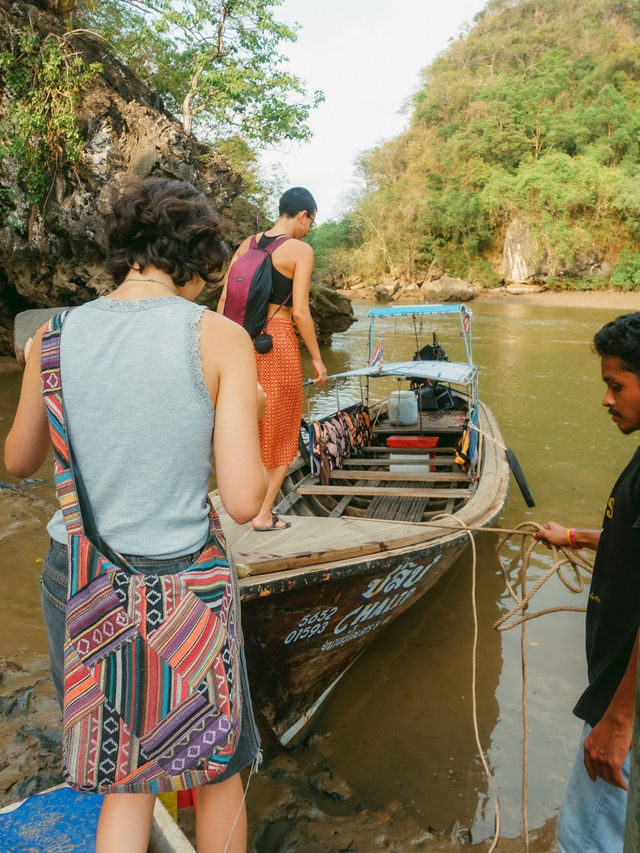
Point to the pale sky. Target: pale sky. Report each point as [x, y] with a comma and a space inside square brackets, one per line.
[366, 56]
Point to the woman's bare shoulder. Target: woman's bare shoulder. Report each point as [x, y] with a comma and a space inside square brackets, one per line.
[295, 248]
[216, 329]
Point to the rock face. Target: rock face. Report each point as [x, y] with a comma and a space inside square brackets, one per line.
[331, 312]
[51, 254]
[443, 289]
[447, 289]
[525, 261]
[522, 259]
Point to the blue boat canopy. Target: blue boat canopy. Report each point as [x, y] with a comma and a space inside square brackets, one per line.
[417, 310]
[460, 373]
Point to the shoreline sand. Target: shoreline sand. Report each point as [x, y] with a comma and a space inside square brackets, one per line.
[615, 299]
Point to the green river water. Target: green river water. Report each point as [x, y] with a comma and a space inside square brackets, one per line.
[399, 725]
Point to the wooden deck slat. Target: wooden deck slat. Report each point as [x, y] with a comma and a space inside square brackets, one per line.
[410, 476]
[375, 448]
[369, 491]
[394, 508]
[308, 542]
[287, 502]
[343, 503]
[416, 460]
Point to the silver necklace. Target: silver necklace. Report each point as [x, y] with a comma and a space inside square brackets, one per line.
[154, 280]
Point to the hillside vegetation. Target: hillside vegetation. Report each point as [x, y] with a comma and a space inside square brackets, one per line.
[532, 116]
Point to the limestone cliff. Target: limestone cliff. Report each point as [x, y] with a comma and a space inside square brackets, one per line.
[51, 253]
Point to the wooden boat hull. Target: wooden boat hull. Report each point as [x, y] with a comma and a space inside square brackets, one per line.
[305, 626]
[301, 637]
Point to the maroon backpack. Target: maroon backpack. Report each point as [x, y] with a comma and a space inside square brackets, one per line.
[249, 286]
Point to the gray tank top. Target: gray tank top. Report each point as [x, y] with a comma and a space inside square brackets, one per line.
[140, 421]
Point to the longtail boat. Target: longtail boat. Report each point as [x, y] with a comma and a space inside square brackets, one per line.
[364, 497]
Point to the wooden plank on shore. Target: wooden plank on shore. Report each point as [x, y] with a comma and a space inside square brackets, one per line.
[369, 491]
[427, 477]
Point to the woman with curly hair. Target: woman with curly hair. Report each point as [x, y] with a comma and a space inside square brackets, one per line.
[144, 369]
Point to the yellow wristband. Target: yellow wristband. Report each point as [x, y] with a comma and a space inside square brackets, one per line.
[568, 536]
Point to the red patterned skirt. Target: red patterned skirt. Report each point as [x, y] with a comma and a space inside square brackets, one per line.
[280, 374]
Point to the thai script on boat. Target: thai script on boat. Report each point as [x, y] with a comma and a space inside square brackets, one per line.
[347, 638]
[381, 597]
[397, 587]
[400, 578]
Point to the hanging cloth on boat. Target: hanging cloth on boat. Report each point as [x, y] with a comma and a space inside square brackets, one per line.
[336, 438]
[466, 455]
[462, 457]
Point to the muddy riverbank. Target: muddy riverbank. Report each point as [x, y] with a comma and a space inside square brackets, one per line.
[293, 806]
[615, 300]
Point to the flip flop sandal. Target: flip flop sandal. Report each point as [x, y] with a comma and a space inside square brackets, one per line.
[273, 526]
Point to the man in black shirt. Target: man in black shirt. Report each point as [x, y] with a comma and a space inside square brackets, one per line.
[592, 815]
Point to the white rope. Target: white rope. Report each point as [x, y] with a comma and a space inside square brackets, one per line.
[255, 764]
[562, 557]
[474, 701]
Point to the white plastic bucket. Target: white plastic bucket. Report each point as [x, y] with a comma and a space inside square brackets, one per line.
[403, 408]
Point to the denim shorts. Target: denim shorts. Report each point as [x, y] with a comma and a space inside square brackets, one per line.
[53, 595]
[592, 814]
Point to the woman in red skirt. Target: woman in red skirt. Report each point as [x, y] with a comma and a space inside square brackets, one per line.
[279, 370]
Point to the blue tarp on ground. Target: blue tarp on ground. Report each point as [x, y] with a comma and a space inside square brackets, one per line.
[56, 821]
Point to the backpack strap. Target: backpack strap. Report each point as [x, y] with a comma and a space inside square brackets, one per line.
[275, 243]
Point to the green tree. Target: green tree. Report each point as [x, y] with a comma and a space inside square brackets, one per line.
[43, 79]
[215, 62]
[535, 114]
[330, 242]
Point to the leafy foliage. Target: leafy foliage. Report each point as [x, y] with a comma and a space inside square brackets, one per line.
[215, 62]
[534, 114]
[331, 243]
[627, 272]
[39, 130]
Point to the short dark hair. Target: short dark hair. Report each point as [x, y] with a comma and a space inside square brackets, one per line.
[167, 223]
[621, 338]
[295, 200]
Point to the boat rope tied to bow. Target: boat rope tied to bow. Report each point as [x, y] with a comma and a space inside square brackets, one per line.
[572, 569]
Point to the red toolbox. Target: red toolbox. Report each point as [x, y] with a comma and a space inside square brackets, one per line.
[413, 441]
[411, 463]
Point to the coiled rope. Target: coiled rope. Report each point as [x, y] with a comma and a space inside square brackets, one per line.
[565, 560]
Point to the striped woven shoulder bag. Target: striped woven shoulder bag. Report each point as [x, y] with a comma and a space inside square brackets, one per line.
[152, 698]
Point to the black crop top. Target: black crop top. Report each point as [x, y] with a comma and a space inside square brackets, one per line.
[282, 286]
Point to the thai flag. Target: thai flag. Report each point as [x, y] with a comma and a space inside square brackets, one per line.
[468, 314]
[378, 358]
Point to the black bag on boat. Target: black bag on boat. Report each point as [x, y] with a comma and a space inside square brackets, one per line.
[434, 398]
[431, 352]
